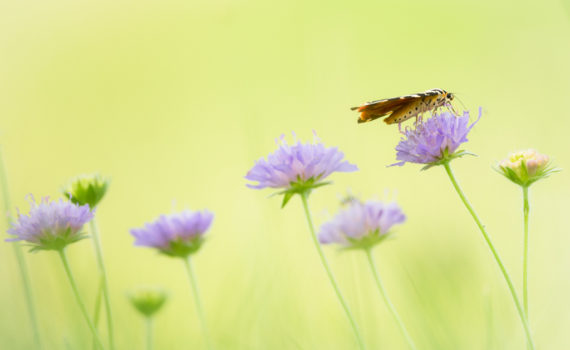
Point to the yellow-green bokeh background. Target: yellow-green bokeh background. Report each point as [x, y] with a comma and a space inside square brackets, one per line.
[176, 99]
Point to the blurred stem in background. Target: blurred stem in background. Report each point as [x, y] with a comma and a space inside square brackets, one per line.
[103, 273]
[78, 298]
[526, 210]
[149, 324]
[197, 302]
[97, 311]
[389, 304]
[516, 300]
[334, 284]
[22, 266]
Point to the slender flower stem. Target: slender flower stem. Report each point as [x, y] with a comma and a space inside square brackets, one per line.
[22, 266]
[329, 272]
[148, 322]
[197, 301]
[526, 210]
[104, 281]
[387, 300]
[516, 300]
[97, 311]
[80, 302]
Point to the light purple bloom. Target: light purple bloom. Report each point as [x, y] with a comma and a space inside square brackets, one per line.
[361, 224]
[297, 163]
[434, 139]
[175, 234]
[51, 225]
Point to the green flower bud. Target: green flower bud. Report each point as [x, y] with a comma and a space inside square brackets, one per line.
[526, 167]
[147, 300]
[87, 189]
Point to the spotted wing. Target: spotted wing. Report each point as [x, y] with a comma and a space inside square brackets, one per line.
[377, 109]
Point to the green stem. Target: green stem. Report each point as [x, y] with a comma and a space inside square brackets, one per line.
[148, 333]
[387, 300]
[329, 272]
[516, 300]
[103, 273]
[80, 302]
[197, 302]
[22, 266]
[97, 312]
[526, 210]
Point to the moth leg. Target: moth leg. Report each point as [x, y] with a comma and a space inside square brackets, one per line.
[451, 109]
[400, 128]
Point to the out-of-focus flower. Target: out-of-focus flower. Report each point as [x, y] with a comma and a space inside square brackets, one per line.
[435, 141]
[526, 167]
[51, 225]
[361, 225]
[177, 235]
[86, 189]
[147, 300]
[297, 168]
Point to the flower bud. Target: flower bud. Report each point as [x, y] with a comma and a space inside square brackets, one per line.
[148, 301]
[87, 189]
[526, 167]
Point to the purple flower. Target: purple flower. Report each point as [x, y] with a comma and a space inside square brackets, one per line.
[361, 225]
[298, 168]
[51, 225]
[434, 140]
[177, 234]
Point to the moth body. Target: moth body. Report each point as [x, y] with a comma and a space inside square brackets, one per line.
[400, 109]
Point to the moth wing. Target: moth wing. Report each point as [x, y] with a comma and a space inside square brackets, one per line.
[377, 109]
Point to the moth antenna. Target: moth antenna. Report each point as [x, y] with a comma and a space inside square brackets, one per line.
[460, 101]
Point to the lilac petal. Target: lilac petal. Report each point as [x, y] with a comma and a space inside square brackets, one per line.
[168, 228]
[291, 163]
[427, 142]
[359, 220]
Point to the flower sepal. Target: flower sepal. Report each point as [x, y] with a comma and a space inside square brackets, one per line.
[182, 248]
[57, 242]
[366, 242]
[300, 187]
[446, 158]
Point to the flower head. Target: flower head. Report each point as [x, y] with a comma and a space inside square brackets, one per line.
[436, 140]
[361, 225]
[51, 225]
[148, 301]
[87, 189]
[526, 167]
[176, 235]
[297, 168]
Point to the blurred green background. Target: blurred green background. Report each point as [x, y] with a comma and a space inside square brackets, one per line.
[175, 100]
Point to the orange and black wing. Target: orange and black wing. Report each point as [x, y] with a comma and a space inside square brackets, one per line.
[377, 109]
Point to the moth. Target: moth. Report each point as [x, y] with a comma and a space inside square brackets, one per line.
[402, 108]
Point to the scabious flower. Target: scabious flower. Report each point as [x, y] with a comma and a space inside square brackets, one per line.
[177, 235]
[361, 224]
[297, 168]
[526, 167]
[86, 189]
[51, 225]
[148, 301]
[435, 141]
